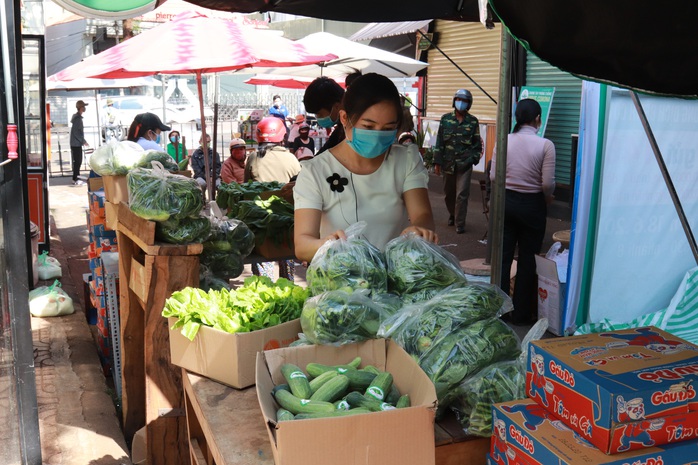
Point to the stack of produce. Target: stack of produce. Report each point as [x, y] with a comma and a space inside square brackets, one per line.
[335, 390]
[259, 303]
[119, 158]
[267, 219]
[229, 242]
[229, 195]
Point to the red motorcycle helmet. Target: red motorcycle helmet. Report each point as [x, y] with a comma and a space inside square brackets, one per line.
[271, 129]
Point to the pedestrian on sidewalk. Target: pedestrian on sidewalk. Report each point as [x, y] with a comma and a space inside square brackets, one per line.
[323, 97]
[458, 148]
[77, 141]
[530, 183]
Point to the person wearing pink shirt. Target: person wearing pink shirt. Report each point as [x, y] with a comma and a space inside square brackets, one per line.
[530, 182]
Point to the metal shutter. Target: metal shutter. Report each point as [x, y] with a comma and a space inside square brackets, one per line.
[564, 114]
[476, 50]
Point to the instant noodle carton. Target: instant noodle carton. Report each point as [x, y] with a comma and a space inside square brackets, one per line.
[620, 390]
[524, 433]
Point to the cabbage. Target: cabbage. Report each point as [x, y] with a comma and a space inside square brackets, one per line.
[116, 158]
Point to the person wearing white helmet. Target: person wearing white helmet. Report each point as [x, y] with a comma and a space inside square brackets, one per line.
[233, 169]
[458, 148]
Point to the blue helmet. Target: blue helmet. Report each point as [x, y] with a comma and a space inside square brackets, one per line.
[465, 95]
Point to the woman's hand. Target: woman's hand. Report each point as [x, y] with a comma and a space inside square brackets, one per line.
[427, 234]
[338, 234]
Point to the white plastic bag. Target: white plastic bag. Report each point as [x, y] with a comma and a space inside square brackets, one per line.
[560, 259]
[49, 267]
[50, 301]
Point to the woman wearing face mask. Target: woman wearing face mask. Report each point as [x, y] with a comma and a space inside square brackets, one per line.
[145, 130]
[176, 147]
[233, 169]
[365, 177]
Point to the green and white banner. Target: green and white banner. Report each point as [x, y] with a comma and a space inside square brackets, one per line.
[109, 9]
[542, 95]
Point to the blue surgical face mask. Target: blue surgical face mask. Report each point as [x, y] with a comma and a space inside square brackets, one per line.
[326, 122]
[157, 139]
[174, 139]
[370, 143]
[462, 106]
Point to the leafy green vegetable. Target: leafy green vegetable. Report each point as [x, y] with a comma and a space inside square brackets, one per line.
[259, 303]
[229, 195]
[116, 158]
[416, 265]
[416, 326]
[158, 195]
[163, 158]
[340, 317]
[184, 231]
[222, 263]
[473, 398]
[230, 235]
[271, 218]
[463, 352]
[348, 264]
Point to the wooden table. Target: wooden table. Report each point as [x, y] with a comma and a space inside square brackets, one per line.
[226, 427]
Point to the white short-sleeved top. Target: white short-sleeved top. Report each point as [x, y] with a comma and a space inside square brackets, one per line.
[344, 197]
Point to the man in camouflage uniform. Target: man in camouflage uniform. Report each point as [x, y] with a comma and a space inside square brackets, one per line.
[458, 147]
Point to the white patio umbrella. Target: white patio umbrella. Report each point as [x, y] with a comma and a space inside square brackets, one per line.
[351, 57]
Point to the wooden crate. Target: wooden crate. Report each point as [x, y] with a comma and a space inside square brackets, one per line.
[115, 189]
[149, 272]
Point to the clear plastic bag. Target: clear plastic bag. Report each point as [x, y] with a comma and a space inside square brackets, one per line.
[415, 265]
[339, 317]
[116, 158]
[230, 235]
[163, 158]
[48, 267]
[159, 196]
[348, 264]
[416, 326]
[184, 231]
[208, 281]
[46, 301]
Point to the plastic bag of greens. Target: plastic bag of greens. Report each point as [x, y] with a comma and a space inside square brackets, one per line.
[184, 231]
[503, 381]
[116, 158]
[230, 235]
[417, 325]
[163, 158]
[159, 195]
[340, 317]
[50, 301]
[348, 264]
[453, 355]
[415, 265]
[208, 281]
[48, 267]
[225, 265]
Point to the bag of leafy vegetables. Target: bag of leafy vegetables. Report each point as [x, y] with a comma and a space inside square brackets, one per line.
[340, 317]
[415, 265]
[417, 325]
[271, 218]
[224, 265]
[208, 281]
[163, 158]
[159, 196]
[348, 264]
[184, 231]
[453, 355]
[472, 400]
[230, 235]
[116, 158]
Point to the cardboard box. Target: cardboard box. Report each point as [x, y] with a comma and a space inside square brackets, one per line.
[393, 437]
[551, 295]
[620, 390]
[525, 434]
[95, 184]
[138, 447]
[97, 202]
[110, 214]
[228, 358]
[115, 189]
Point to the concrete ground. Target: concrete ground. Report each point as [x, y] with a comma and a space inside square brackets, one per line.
[79, 419]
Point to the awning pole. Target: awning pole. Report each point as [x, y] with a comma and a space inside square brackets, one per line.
[496, 226]
[665, 174]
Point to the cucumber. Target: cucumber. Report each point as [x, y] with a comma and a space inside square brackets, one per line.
[283, 415]
[332, 389]
[297, 381]
[295, 405]
[403, 402]
[372, 369]
[359, 380]
[356, 363]
[358, 400]
[315, 383]
[316, 369]
[380, 386]
[336, 413]
[284, 387]
[393, 395]
[342, 405]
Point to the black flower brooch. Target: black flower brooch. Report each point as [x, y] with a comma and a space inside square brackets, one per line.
[337, 182]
